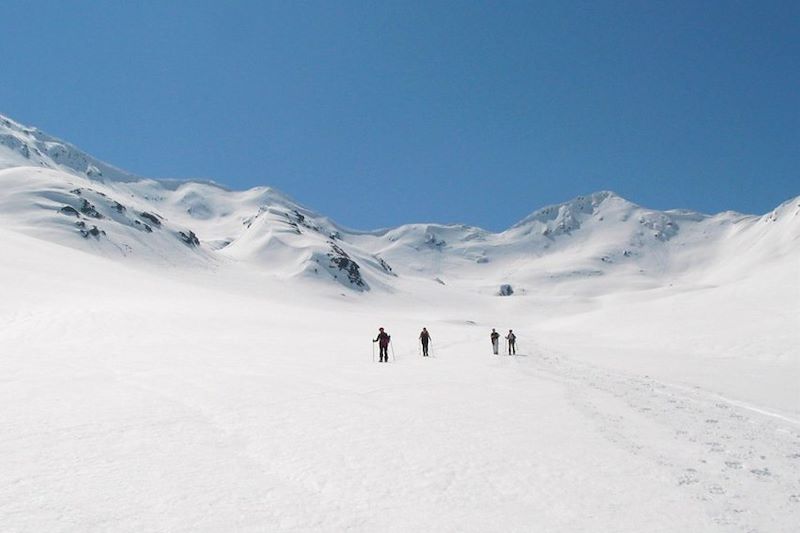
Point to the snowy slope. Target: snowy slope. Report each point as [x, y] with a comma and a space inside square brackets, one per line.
[202, 362]
[142, 401]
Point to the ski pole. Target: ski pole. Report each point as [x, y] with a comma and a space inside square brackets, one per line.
[373, 351]
[392, 347]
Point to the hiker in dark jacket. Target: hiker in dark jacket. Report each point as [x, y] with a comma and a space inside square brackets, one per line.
[512, 343]
[495, 341]
[424, 338]
[383, 343]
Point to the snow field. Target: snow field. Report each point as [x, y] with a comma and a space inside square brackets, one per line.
[187, 401]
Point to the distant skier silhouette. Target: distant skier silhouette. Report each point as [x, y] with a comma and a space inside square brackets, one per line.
[512, 343]
[424, 338]
[495, 341]
[383, 343]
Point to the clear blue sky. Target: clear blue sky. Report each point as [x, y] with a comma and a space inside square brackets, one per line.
[381, 113]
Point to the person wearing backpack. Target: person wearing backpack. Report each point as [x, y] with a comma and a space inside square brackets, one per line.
[512, 343]
[383, 339]
[495, 341]
[424, 338]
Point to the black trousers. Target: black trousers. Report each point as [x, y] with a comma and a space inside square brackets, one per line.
[512, 347]
[384, 353]
[425, 348]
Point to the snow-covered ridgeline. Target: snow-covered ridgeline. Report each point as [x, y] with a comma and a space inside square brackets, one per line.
[52, 189]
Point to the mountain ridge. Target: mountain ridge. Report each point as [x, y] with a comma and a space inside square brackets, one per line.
[53, 190]
[20, 138]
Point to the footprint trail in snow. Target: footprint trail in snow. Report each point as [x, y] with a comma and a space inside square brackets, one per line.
[741, 462]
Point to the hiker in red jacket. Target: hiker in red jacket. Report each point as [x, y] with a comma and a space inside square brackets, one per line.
[383, 343]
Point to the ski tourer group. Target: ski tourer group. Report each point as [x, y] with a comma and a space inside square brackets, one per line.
[383, 339]
[510, 338]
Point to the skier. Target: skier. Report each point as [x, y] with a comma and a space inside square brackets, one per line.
[383, 343]
[424, 338]
[495, 341]
[512, 343]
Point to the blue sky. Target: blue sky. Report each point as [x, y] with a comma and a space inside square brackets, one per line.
[381, 113]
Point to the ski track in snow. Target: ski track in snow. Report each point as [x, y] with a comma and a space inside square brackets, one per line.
[741, 461]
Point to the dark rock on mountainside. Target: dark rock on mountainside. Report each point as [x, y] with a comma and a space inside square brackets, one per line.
[155, 220]
[340, 260]
[93, 232]
[89, 210]
[434, 241]
[297, 220]
[385, 266]
[190, 239]
[144, 227]
[662, 226]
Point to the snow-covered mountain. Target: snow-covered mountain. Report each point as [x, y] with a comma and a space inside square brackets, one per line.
[23, 146]
[178, 356]
[53, 190]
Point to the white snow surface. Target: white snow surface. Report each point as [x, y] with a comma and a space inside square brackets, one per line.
[202, 361]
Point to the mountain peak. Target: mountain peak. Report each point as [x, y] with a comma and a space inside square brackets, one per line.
[22, 145]
[564, 217]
